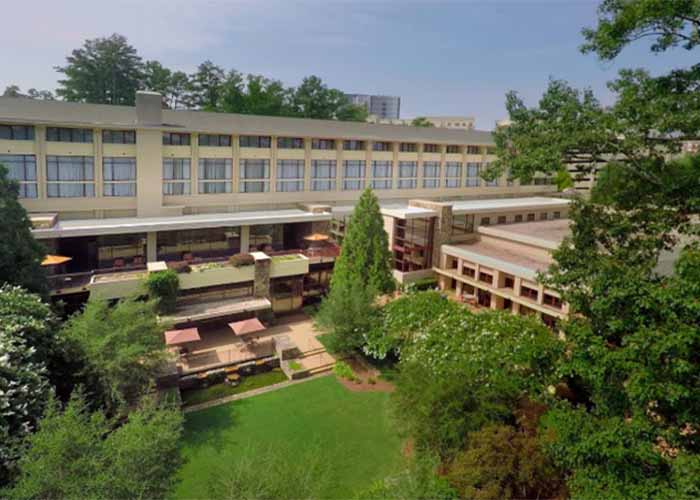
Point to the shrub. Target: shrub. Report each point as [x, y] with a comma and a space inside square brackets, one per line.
[371, 380]
[295, 365]
[163, 286]
[241, 260]
[343, 370]
[180, 267]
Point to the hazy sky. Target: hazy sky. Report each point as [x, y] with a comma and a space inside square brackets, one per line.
[441, 57]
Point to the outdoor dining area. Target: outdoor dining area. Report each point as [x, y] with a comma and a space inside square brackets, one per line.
[218, 344]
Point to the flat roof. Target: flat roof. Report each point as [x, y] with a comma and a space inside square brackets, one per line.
[544, 234]
[126, 225]
[501, 204]
[34, 111]
[523, 263]
[399, 210]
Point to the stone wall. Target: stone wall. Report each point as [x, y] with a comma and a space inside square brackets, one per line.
[261, 283]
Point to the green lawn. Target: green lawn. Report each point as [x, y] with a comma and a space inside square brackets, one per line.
[196, 396]
[351, 430]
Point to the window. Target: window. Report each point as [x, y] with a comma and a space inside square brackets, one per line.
[214, 175]
[509, 282]
[556, 215]
[322, 144]
[381, 175]
[473, 150]
[408, 171]
[502, 219]
[431, 148]
[552, 301]
[119, 136]
[528, 292]
[462, 224]
[431, 174]
[543, 181]
[543, 216]
[485, 221]
[255, 176]
[254, 141]
[353, 145]
[518, 218]
[530, 217]
[290, 175]
[215, 140]
[381, 146]
[70, 176]
[119, 176]
[323, 175]
[452, 149]
[17, 132]
[473, 174]
[469, 272]
[408, 147]
[290, 143]
[22, 168]
[353, 175]
[176, 139]
[60, 134]
[453, 174]
[176, 176]
[490, 150]
[486, 278]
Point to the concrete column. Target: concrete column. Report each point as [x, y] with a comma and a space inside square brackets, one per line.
[99, 173]
[339, 170]
[540, 294]
[273, 164]
[149, 172]
[194, 170]
[40, 149]
[261, 287]
[151, 247]
[245, 239]
[307, 164]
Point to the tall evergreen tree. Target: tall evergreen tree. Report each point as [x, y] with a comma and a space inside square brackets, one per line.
[362, 271]
[20, 253]
[103, 71]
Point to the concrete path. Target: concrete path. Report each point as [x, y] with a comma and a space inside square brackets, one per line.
[248, 394]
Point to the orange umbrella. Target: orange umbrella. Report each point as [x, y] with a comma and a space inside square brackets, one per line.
[316, 237]
[175, 337]
[55, 260]
[246, 326]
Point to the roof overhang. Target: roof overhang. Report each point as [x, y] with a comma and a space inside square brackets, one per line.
[508, 204]
[500, 264]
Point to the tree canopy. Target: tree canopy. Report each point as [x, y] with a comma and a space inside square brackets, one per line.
[20, 253]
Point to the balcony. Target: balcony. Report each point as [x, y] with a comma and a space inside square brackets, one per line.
[288, 265]
[214, 274]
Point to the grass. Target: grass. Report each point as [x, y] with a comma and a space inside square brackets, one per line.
[196, 396]
[351, 431]
[286, 258]
[295, 365]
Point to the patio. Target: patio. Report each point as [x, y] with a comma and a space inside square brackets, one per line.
[219, 346]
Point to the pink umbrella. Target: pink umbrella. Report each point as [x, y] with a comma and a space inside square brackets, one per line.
[175, 337]
[246, 326]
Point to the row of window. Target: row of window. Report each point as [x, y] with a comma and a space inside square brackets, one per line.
[73, 176]
[84, 135]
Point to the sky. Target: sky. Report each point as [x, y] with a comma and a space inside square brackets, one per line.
[441, 57]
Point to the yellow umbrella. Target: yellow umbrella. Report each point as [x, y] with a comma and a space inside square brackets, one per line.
[54, 260]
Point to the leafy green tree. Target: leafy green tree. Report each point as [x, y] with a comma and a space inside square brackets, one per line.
[122, 348]
[179, 90]
[163, 287]
[20, 253]
[157, 78]
[103, 71]
[362, 271]
[76, 454]
[25, 348]
[421, 121]
[266, 97]
[206, 86]
[313, 99]
[12, 91]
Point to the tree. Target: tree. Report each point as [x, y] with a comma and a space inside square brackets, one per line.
[163, 287]
[265, 97]
[20, 253]
[25, 348]
[77, 454]
[313, 99]
[12, 91]
[179, 90]
[421, 121]
[44, 95]
[158, 78]
[206, 86]
[362, 271]
[103, 71]
[122, 348]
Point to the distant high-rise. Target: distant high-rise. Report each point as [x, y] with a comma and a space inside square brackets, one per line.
[382, 106]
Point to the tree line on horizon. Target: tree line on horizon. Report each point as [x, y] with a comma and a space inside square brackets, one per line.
[109, 70]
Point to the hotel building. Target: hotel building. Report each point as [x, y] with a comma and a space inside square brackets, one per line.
[123, 191]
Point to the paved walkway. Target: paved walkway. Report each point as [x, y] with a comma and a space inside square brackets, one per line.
[248, 394]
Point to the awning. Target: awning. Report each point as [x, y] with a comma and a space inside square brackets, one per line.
[247, 326]
[55, 260]
[175, 337]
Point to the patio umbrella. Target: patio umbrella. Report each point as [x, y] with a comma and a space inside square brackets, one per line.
[247, 326]
[176, 337]
[55, 260]
[316, 237]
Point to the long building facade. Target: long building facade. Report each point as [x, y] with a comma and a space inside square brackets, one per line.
[125, 191]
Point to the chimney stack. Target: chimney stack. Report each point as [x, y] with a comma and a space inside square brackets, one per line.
[149, 108]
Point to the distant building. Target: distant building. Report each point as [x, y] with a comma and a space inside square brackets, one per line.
[382, 106]
[451, 122]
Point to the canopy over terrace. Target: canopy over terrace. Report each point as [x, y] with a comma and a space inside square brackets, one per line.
[246, 326]
[177, 337]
